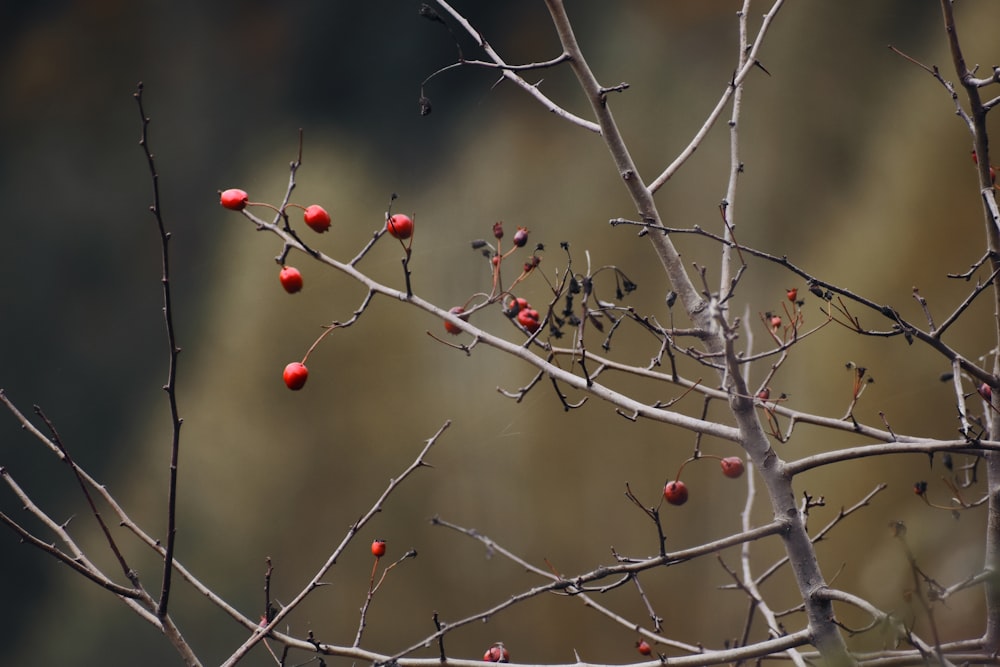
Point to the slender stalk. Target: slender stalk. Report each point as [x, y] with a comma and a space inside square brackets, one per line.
[171, 386]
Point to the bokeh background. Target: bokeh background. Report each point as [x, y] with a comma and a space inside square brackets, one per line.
[855, 167]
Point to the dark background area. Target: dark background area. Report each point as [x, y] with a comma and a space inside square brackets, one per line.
[855, 167]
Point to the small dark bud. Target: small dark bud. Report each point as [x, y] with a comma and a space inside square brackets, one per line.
[498, 230]
[429, 13]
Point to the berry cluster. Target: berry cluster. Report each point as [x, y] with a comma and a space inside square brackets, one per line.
[526, 316]
[317, 219]
[517, 309]
[675, 491]
[783, 329]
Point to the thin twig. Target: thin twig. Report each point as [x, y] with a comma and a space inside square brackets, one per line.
[171, 386]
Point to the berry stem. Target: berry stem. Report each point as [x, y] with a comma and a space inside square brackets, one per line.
[323, 335]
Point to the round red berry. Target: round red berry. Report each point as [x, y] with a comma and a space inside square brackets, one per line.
[448, 326]
[792, 294]
[317, 218]
[290, 279]
[497, 653]
[732, 467]
[643, 647]
[234, 199]
[528, 318]
[775, 322]
[517, 305]
[295, 375]
[400, 226]
[986, 392]
[378, 548]
[675, 492]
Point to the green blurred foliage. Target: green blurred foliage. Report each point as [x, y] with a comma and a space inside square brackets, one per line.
[855, 167]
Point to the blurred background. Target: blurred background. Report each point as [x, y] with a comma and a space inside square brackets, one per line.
[855, 167]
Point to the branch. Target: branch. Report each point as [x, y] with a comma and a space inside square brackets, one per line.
[265, 630]
[171, 386]
[749, 63]
[595, 389]
[508, 72]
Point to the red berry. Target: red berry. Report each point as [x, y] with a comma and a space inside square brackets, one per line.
[775, 322]
[676, 492]
[317, 218]
[234, 199]
[400, 226]
[378, 548]
[448, 326]
[497, 653]
[986, 392]
[528, 318]
[732, 467]
[290, 279]
[295, 375]
[643, 647]
[517, 305]
[521, 237]
[792, 294]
